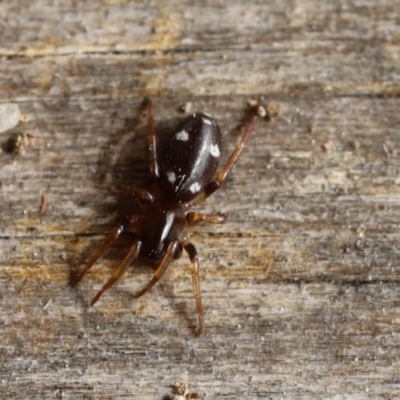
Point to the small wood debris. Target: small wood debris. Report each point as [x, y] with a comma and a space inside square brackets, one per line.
[43, 205]
[185, 107]
[354, 144]
[47, 304]
[387, 150]
[261, 111]
[326, 146]
[18, 144]
[181, 392]
[9, 116]
[268, 111]
[252, 103]
[274, 110]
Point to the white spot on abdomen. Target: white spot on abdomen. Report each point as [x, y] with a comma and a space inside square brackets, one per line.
[195, 187]
[207, 121]
[214, 150]
[182, 135]
[171, 176]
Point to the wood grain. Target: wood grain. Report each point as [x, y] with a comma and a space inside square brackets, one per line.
[300, 286]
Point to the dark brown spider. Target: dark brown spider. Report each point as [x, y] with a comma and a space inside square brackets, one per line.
[183, 173]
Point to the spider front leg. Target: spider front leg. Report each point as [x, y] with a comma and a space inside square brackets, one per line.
[195, 217]
[194, 268]
[171, 250]
[213, 185]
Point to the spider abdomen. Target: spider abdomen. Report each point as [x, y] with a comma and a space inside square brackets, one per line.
[189, 157]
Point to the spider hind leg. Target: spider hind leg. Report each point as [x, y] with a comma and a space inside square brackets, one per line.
[133, 253]
[108, 241]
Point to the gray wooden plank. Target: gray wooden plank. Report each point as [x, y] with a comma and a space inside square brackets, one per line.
[300, 286]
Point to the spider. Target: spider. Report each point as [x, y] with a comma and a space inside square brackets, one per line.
[183, 169]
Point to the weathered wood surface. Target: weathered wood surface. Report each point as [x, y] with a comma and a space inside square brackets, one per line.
[301, 286]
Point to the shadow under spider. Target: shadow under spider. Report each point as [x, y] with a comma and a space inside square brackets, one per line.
[123, 161]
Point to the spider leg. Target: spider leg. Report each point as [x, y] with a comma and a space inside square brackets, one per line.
[109, 240]
[133, 191]
[133, 253]
[194, 268]
[152, 140]
[213, 185]
[194, 217]
[171, 250]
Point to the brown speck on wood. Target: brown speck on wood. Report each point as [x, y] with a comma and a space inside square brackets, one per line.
[355, 144]
[43, 204]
